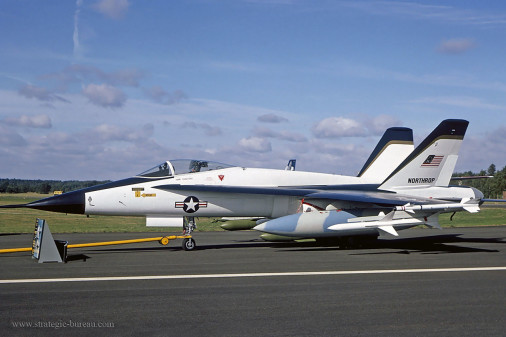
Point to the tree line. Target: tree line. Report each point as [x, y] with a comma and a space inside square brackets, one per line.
[44, 186]
[492, 188]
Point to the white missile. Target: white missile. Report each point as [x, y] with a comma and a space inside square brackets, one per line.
[387, 223]
[467, 205]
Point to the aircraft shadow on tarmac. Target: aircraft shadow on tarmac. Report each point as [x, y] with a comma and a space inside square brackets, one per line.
[177, 247]
[77, 257]
[439, 244]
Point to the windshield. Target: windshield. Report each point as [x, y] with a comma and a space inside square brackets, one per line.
[182, 166]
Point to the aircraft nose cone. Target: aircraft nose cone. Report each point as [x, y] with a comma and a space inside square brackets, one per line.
[71, 202]
[260, 227]
[281, 226]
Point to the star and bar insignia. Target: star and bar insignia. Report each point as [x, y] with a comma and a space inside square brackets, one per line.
[191, 204]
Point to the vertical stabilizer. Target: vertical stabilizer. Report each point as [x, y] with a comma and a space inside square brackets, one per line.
[395, 145]
[433, 161]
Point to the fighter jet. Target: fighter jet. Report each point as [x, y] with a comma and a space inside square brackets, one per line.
[397, 188]
[174, 192]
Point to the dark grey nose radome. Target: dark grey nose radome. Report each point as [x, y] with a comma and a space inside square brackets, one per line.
[71, 202]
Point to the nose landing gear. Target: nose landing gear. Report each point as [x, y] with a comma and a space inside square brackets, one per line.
[189, 226]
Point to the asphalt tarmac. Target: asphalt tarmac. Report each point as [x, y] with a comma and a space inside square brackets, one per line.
[426, 283]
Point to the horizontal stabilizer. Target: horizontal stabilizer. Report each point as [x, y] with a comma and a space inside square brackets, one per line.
[471, 177]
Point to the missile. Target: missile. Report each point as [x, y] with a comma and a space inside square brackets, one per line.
[386, 224]
[464, 205]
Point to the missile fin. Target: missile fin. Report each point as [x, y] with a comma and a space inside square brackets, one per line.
[433, 221]
[389, 216]
[472, 208]
[470, 205]
[388, 229]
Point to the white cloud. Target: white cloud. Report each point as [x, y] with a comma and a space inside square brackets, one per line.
[114, 9]
[455, 46]
[80, 73]
[457, 80]
[75, 36]
[210, 130]
[479, 151]
[271, 118]
[282, 135]
[336, 127]
[8, 138]
[159, 95]
[379, 124]
[108, 132]
[255, 144]
[42, 94]
[85, 143]
[419, 11]
[37, 121]
[104, 95]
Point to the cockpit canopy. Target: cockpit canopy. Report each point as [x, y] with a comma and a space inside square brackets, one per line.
[182, 166]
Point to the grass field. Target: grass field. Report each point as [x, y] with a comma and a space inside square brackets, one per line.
[21, 220]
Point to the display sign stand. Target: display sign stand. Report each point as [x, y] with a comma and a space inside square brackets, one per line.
[44, 247]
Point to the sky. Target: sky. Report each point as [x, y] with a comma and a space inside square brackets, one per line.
[106, 89]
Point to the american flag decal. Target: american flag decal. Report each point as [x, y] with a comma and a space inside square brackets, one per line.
[432, 161]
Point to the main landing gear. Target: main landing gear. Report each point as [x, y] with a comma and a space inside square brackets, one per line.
[189, 226]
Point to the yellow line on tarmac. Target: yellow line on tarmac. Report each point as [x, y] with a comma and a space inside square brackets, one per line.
[108, 243]
[15, 250]
[105, 243]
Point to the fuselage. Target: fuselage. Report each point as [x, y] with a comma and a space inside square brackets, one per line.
[142, 196]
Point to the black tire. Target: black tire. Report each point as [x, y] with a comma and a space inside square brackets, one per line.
[189, 244]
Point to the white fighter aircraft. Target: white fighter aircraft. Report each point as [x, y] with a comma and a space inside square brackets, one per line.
[397, 188]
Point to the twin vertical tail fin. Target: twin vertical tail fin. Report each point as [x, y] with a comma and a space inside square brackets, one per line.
[433, 161]
[395, 145]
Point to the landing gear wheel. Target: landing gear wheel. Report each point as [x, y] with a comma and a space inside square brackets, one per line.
[189, 244]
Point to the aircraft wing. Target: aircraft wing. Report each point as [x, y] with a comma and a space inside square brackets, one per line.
[358, 198]
[379, 198]
[300, 192]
